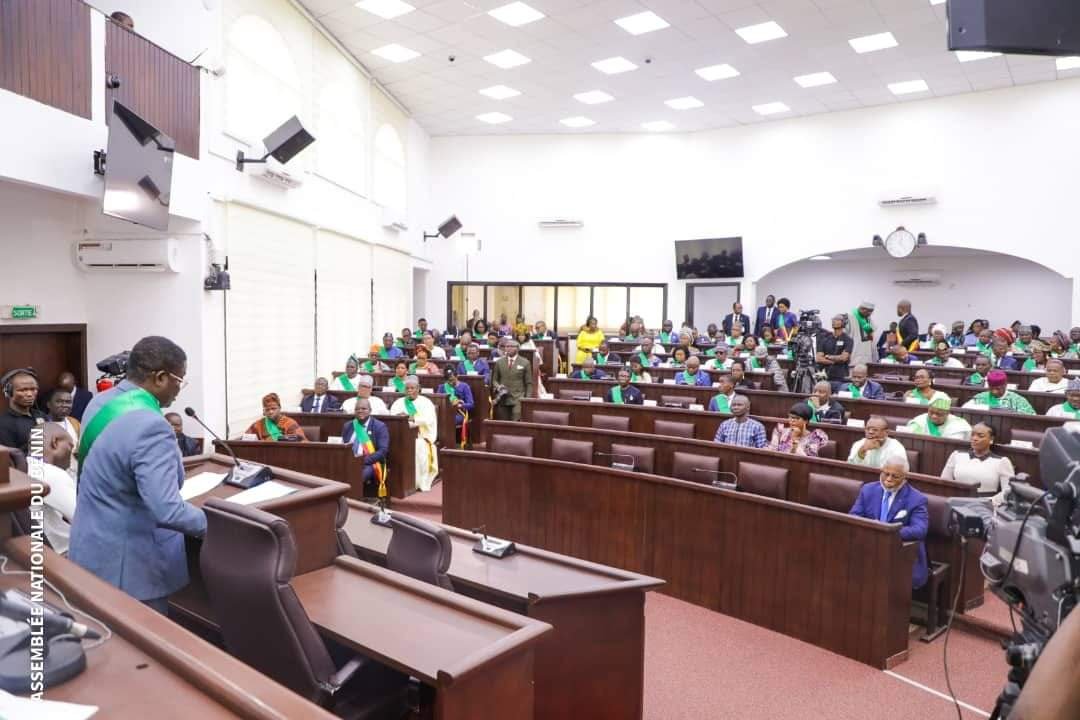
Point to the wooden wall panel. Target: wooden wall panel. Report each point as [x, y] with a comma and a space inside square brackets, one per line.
[45, 52]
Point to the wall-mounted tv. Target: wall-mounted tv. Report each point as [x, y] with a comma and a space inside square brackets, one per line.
[138, 170]
[709, 258]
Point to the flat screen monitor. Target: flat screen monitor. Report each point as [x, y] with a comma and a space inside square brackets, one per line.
[138, 170]
[710, 258]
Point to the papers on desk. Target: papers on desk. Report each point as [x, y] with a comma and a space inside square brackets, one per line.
[845, 394]
[1022, 444]
[547, 396]
[269, 490]
[959, 351]
[249, 437]
[200, 484]
[696, 406]
[1075, 372]
[17, 708]
[560, 376]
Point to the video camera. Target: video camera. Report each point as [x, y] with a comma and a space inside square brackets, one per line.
[113, 369]
[1032, 554]
[801, 345]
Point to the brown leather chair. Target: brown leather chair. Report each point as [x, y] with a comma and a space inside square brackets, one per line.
[676, 429]
[1035, 437]
[896, 421]
[582, 394]
[828, 450]
[551, 417]
[578, 451]
[832, 493]
[248, 560]
[936, 589]
[344, 542]
[644, 458]
[312, 433]
[511, 445]
[683, 466]
[611, 422]
[914, 459]
[420, 550]
[683, 401]
[763, 480]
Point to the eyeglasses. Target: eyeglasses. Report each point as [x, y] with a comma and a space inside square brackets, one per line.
[183, 381]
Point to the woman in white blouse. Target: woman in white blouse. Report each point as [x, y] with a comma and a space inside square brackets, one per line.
[981, 464]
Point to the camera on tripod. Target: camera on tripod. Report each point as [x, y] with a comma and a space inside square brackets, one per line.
[801, 346]
[113, 369]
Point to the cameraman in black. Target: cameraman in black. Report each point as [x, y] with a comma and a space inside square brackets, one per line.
[834, 352]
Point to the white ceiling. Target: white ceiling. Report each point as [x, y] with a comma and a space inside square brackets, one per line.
[444, 97]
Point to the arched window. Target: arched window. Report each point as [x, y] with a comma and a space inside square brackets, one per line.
[341, 137]
[263, 87]
[390, 188]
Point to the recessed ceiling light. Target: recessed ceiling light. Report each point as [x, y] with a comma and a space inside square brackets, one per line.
[970, 55]
[717, 72]
[771, 108]
[1068, 63]
[684, 103]
[761, 32]
[658, 125]
[870, 43]
[494, 118]
[937, 2]
[815, 79]
[614, 65]
[821, 257]
[577, 121]
[642, 23]
[507, 59]
[593, 97]
[500, 92]
[908, 87]
[516, 13]
[385, 9]
[395, 53]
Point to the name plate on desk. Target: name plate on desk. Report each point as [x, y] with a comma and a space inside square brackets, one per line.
[649, 403]
[1075, 372]
[669, 381]
[249, 437]
[547, 396]
[901, 428]
[1011, 386]
[846, 394]
[913, 401]
[560, 376]
[915, 362]
[856, 422]
[389, 388]
[427, 391]
[493, 547]
[1022, 444]
[959, 351]
[596, 398]
[696, 406]
[335, 440]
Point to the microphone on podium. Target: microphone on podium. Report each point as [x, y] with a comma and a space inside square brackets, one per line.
[615, 460]
[243, 474]
[720, 483]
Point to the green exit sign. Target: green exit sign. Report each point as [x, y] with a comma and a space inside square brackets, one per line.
[23, 312]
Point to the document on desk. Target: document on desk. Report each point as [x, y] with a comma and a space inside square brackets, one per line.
[17, 708]
[201, 484]
[269, 490]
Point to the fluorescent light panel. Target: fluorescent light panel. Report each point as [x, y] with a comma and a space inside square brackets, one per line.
[658, 125]
[717, 72]
[593, 97]
[494, 118]
[815, 79]
[937, 2]
[386, 9]
[820, 257]
[395, 53]
[644, 22]
[771, 108]
[684, 103]
[578, 121]
[871, 43]
[1068, 63]
[908, 87]
[762, 32]
[507, 59]
[614, 65]
[516, 14]
[972, 55]
[500, 92]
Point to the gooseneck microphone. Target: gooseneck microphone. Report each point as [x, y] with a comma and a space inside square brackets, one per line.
[243, 474]
[15, 606]
[615, 460]
[720, 483]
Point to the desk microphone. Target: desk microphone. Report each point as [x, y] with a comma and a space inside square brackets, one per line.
[243, 475]
[720, 483]
[619, 465]
[16, 606]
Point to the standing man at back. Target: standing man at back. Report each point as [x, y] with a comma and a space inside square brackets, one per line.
[735, 317]
[907, 327]
[766, 315]
[514, 373]
[131, 521]
[861, 330]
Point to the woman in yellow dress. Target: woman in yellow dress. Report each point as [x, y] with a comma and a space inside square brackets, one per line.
[588, 339]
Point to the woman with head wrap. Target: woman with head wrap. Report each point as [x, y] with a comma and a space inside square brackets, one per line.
[999, 396]
[1059, 346]
[274, 426]
[795, 437]
[1039, 356]
[1024, 337]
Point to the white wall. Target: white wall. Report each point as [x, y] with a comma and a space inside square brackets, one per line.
[1001, 164]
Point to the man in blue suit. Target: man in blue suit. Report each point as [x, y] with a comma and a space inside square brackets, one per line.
[370, 439]
[130, 526]
[473, 364]
[693, 374]
[766, 315]
[893, 500]
[321, 401]
[736, 316]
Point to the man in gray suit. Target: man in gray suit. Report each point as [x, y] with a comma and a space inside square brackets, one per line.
[131, 521]
[514, 373]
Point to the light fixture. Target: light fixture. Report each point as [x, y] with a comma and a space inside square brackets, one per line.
[937, 2]
[494, 118]
[507, 59]
[386, 9]
[908, 87]
[815, 79]
[395, 53]
[578, 121]
[643, 22]
[717, 72]
[614, 65]
[1068, 63]
[684, 103]
[658, 125]
[871, 43]
[771, 108]
[970, 55]
[818, 258]
[762, 32]
[516, 14]
[450, 226]
[593, 97]
[500, 92]
[283, 144]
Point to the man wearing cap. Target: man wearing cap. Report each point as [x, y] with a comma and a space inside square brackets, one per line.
[937, 421]
[1000, 397]
[720, 360]
[957, 338]
[389, 351]
[422, 416]
[761, 360]
[364, 386]
[876, 445]
[1069, 409]
[862, 334]
[861, 387]
[274, 426]
[834, 351]
[1055, 380]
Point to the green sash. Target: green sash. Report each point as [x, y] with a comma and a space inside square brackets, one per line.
[347, 383]
[410, 406]
[1022, 346]
[272, 429]
[469, 367]
[634, 377]
[398, 384]
[711, 352]
[122, 404]
[459, 352]
[582, 375]
[919, 396]
[722, 404]
[369, 366]
[616, 395]
[1029, 365]
[412, 368]
[665, 338]
[732, 342]
[451, 393]
[992, 400]
[1074, 348]
[538, 336]
[984, 349]
[856, 391]
[644, 360]
[975, 379]
[865, 328]
[1067, 407]
[601, 360]
[755, 364]
[384, 354]
[933, 429]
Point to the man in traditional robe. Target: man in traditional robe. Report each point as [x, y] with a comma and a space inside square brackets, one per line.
[422, 416]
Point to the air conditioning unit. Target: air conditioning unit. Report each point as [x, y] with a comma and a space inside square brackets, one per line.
[143, 255]
[917, 278]
[908, 200]
[560, 223]
[394, 219]
[275, 173]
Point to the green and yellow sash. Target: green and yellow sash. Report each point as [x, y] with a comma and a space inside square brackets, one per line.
[122, 404]
[272, 429]
[364, 446]
[451, 393]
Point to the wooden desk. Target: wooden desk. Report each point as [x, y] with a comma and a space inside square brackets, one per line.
[770, 562]
[1021, 379]
[660, 374]
[151, 667]
[597, 613]
[323, 460]
[477, 657]
[1040, 401]
[15, 493]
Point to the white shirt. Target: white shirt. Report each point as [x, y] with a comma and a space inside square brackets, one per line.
[336, 384]
[437, 352]
[992, 472]
[378, 407]
[59, 507]
[1044, 385]
[873, 458]
[949, 363]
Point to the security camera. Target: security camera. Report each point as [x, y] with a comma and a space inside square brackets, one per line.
[648, 61]
[452, 58]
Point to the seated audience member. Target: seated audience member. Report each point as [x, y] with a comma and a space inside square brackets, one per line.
[347, 380]
[971, 339]
[825, 409]
[604, 356]
[693, 374]
[923, 393]
[479, 331]
[762, 360]
[1071, 407]
[713, 335]
[935, 337]
[588, 371]
[1022, 344]
[982, 369]
[321, 401]
[59, 503]
[887, 339]
[421, 328]
[423, 364]
[473, 364]
[188, 445]
[58, 410]
[460, 396]
[496, 342]
[389, 351]
[786, 323]
[768, 335]
[984, 344]
[80, 397]
[422, 415]
[370, 439]
[1000, 397]
[738, 377]
[742, 429]
[795, 437]
[1055, 380]
[981, 464]
[638, 373]
[943, 357]
[274, 426]
[893, 500]
[749, 344]
[1074, 344]
[1001, 359]
[524, 338]
[588, 340]
[1059, 345]
[678, 358]
[937, 421]
[458, 351]
[721, 402]
[406, 341]
[21, 388]
[861, 387]
[898, 355]
[876, 446]
[957, 338]
[667, 336]
[503, 327]
[686, 342]
[647, 352]
[720, 361]
[623, 393]
[364, 386]
[397, 380]
[436, 352]
[541, 332]
[1040, 355]
[736, 338]
[634, 329]
[373, 364]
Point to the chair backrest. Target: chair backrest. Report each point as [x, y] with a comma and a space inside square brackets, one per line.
[247, 560]
[551, 417]
[611, 422]
[940, 514]
[895, 421]
[644, 458]
[420, 550]
[1035, 437]
[670, 427]
[312, 433]
[828, 450]
[914, 458]
[763, 480]
[677, 400]
[574, 394]
[832, 493]
[344, 542]
[579, 451]
[511, 445]
[683, 465]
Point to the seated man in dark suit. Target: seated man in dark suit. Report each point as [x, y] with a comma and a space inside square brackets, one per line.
[893, 500]
[825, 408]
[624, 393]
[473, 364]
[604, 356]
[370, 439]
[588, 371]
[321, 401]
[188, 445]
[862, 387]
[80, 397]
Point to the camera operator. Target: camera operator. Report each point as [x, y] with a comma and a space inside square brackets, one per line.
[834, 352]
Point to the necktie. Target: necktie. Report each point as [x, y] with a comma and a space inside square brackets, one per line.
[318, 403]
[883, 516]
[768, 315]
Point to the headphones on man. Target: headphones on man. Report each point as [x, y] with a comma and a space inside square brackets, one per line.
[8, 379]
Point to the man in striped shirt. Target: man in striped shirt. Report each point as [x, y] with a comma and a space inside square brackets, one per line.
[742, 429]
